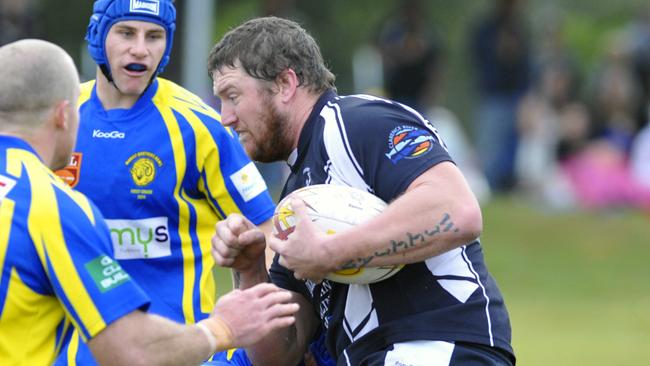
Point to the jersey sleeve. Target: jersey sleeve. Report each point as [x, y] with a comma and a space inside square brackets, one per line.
[92, 287]
[392, 144]
[284, 278]
[230, 176]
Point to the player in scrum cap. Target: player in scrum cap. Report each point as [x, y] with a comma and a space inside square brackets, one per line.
[57, 273]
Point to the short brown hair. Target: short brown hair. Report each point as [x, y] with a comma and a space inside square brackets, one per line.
[267, 46]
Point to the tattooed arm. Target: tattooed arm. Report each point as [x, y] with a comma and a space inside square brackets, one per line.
[437, 213]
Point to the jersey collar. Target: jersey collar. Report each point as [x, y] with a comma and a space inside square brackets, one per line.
[120, 113]
[297, 155]
[13, 142]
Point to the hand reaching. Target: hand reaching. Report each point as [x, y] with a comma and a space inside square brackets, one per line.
[244, 317]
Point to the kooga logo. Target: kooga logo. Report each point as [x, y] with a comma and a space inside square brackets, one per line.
[99, 134]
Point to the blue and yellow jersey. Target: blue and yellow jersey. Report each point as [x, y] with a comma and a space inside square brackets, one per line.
[56, 271]
[163, 173]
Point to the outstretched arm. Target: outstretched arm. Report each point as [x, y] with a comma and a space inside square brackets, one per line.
[240, 319]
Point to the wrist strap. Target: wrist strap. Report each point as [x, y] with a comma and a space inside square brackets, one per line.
[212, 340]
[220, 331]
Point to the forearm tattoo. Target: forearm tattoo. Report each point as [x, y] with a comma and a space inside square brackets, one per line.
[411, 240]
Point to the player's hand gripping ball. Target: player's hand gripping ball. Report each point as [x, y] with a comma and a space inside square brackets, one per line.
[334, 208]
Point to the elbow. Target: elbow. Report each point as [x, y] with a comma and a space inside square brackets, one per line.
[470, 222]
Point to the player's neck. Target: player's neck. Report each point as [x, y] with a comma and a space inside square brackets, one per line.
[111, 97]
[305, 104]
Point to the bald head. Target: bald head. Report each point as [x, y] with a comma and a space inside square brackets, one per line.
[34, 77]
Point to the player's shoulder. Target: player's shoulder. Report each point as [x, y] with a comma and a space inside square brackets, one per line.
[85, 91]
[87, 86]
[179, 97]
[49, 192]
[75, 203]
[363, 114]
[364, 108]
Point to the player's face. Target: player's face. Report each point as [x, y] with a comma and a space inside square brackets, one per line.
[250, 108]
[134, 50]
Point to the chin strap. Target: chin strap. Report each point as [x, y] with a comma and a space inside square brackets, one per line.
[107, 72]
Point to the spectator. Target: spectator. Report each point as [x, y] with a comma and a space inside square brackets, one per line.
[410, 54]
[552, 122]
[501, 56]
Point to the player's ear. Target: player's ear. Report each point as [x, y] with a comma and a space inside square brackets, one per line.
[60, 115]
[287, 82]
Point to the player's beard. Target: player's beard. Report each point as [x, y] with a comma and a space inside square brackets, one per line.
[274, 141]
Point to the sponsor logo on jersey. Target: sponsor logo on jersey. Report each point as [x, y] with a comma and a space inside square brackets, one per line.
[143, 167]
[106, 273]
[6, 184]
[70, 174]
[248, 181]
[145, 6]
[99, 134]
[407, 142]
[139, 239]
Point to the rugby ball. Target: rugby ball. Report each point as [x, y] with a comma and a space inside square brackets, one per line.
[334, 208]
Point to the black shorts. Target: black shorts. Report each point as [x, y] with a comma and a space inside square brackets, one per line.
[437, 353]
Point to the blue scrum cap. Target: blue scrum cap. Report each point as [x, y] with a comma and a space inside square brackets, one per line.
[108, 12]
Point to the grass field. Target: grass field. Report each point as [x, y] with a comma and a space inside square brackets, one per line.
[577, 285]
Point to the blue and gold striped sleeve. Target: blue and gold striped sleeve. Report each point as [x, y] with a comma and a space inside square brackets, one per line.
[55, 257]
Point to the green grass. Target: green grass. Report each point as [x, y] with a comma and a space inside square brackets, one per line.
[577, 285]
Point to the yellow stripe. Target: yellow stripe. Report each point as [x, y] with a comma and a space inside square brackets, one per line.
[65, 327]
[81, 200]
[6, 214]
[50, 237]
[230, 353]
[85, 92]
[178, 147]
[206, 218]
[175, 92]
[73, 347]
[171, 97]
[207, 158]
[28, 315]
[206, 214]
[205, 146]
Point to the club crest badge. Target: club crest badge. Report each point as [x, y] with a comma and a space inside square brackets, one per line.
[143, 167]
[70, 174]
[407, 142]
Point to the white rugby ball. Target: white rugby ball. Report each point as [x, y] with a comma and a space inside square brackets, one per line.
[334, 208]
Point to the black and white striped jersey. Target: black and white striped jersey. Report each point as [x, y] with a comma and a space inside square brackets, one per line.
[382, 146]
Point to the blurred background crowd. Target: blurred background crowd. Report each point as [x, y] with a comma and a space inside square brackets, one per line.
[543, 100]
